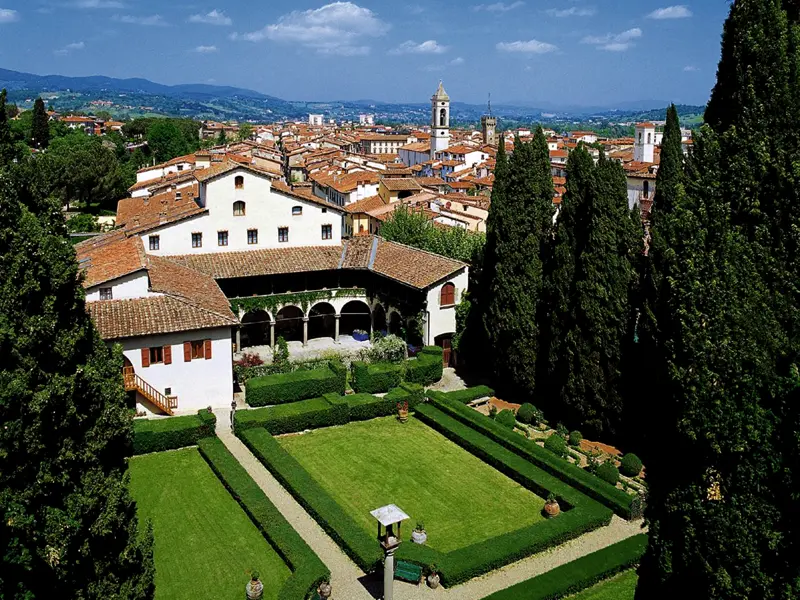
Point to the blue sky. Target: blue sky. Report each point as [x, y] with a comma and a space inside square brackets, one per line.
[558, 52]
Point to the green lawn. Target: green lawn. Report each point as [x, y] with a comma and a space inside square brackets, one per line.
[621, 587]
[369, 464]
[205, 544]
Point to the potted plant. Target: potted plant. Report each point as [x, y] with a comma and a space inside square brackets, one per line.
[402, 411]
[360, 335]
[254, 587]
[433, 577]
[551, 507]
[419, 536]
[324, 590]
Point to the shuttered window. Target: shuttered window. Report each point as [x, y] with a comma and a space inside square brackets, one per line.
[196, 350]
[448, 295]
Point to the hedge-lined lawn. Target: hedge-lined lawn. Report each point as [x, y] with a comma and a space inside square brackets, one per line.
[205, 545]
[370, 464]
[621, 587]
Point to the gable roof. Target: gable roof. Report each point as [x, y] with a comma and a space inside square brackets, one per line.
[110, 256]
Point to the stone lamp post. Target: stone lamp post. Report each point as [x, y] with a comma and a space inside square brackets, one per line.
[389, 519]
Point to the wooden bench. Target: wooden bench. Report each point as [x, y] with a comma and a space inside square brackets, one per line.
[407, 571]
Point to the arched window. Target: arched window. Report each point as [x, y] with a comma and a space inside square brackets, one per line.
[649, 138]
[443, 117]
[448, 295]
[238, 209]
[239, 182]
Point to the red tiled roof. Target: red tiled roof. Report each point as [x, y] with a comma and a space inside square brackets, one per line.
[141, 211]
[364, 205]
[402, 184]
[250, 263]
[108, 257]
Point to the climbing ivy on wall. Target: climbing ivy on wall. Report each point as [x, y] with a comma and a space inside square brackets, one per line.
[302, 299]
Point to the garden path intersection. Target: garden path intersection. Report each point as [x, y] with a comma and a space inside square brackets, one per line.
[349, 582]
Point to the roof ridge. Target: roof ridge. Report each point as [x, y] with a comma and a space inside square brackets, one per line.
[424, 251]
[185, 300]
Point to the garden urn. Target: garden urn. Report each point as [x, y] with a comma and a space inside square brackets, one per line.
[254, 589]
[433, 581]
[324, 590]
[419, 536]
[551, 509]
[402, 412]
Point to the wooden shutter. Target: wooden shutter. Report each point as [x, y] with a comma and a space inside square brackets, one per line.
[207, 349]
[145, 357]
[187, 351]
[167, 355]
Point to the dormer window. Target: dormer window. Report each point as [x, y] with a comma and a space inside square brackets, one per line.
[238, 209]
[239, 182]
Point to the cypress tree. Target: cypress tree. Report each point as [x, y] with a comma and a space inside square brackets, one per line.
[7, 152]
[68, 525]
[521, 226]
[40, 128]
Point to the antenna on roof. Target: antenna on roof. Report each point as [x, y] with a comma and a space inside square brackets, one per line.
[490, 104]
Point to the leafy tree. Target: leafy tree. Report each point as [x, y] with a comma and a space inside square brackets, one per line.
[521, 227]
[40, 126]
[166, 141]
[222, 138]
[7, 152]
[245, 132]
[69, 526]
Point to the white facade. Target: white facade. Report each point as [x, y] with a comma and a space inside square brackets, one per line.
[197, 383]
[366, 119]
[640, 188]
[441, 320]
[644, 146]
[135, 285]
[411, 157]
[315, 120]
[265, 212]
[159, 171]
[440, 121]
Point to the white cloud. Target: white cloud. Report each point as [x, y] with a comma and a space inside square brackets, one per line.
[412, 47]
[614, 42]
[680, 11]
[690, 69]
[528, 47]
[215, 17]
[151, 21]
[98, 4]
[205, 49]
[571, 12]
[8, 16]
[70, 48]
[338, 28]
[456, 62]
[498, 7]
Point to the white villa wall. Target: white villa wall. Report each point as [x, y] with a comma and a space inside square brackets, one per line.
[443, 319]
[265, 210]
[636, 189]
[134, 285]
[198, 383]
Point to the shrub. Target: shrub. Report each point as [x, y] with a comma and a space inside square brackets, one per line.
[556, 444]
[249, 360]
[492, 412]
[298, 385]
[82, 223]
[307, 569]
[608, 472]
[294, 417]
[427, 367]
[579, 574]
[464, 396]
[387, 349]
[376, 378]
[157, 435]
[406, 392]
[529, 414]
[630, 465]
[575, 438]
[562, 430]
[281, 354]
[506, 418]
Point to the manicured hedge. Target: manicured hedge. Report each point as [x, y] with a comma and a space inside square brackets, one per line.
[377, 377]
[620, 502]
[156, 435]
[298, 385]
[307, 569]
[294, 417]
[426, 368]
[579, 574]
[413, 393]
[464, 396]
[360, 546]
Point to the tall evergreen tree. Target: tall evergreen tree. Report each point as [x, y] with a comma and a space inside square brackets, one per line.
[520, 227]
[589, 282]
[40, 128]
[7, 152]
[68, 525]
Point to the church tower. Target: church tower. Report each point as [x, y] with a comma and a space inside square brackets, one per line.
[440, 121]
[489, 126]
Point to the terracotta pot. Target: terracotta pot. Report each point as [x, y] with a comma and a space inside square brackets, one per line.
[324, 590]
[254, 590]
[402, 414]
[419, 537]
[552, 509]
[433, 581]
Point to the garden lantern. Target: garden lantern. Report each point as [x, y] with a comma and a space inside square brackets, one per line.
[389, 519]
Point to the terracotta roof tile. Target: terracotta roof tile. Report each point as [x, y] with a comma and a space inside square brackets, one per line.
[401, 184]
[250, 263]
[108, 257]
[304, 193]
[364, 205]
[134, 212]
[411, 266]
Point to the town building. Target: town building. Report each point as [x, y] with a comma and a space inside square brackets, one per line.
[440, 121]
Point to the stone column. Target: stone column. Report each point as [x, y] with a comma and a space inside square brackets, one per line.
[272, 335]
[388, 575]
[305, 331]
[238, 339]
[336, 331]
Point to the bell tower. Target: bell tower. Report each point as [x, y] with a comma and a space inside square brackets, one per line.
[440, 121]
[489, 125]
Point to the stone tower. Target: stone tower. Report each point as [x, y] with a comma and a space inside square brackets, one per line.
[489, 126]
[440, 121]
[644, 144]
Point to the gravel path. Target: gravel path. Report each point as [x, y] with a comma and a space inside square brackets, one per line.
[350, 583]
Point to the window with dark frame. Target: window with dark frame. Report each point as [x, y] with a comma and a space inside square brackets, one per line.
[222, 238]
[252, 236]
[327, 232]
[239, 182]
[106, 293]
[297, 210]
[283, 234]
[197, 240]
[156, 355]
[447, 296]
[238, 208]
[198, 349]
[155, 242]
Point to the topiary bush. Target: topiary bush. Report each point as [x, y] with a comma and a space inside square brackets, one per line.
[157, 435]
[608, 472]
[297, 385]
[529, 414]
[426, 368]
[556, 444]
[630, 465]
[575, 438]
[506, 418]
[376, 378]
